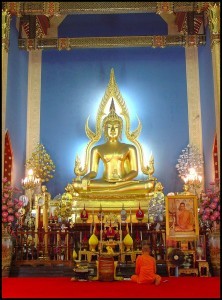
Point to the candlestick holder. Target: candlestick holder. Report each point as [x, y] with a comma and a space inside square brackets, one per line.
[29, 183]
[190, 166]
[192, 180]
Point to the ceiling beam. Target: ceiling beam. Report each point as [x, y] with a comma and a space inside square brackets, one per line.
[64, 8]
[112, 42]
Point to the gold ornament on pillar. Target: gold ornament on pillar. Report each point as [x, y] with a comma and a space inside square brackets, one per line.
[214, 23]
[6, 17]
[214, 17]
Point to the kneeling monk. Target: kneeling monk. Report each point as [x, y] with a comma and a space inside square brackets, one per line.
[146, 268]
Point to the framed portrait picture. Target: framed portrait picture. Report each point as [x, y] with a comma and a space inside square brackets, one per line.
[182, 216]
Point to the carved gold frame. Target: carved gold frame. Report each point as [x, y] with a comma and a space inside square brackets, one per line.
[176, 199]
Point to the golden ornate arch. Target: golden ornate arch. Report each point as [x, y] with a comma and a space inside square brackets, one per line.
[112, 92]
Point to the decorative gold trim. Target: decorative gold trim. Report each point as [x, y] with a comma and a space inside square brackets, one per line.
[215, 39]
[214, 18]
[112, 42]
[165, 7]
[68, 8]
[6, 18]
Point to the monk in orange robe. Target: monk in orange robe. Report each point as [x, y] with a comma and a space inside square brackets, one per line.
[184, 219]
[146, 268]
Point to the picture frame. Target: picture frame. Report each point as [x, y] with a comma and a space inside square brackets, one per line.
[182, 216]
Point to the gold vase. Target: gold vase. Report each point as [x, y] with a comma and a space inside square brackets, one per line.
[214, 245]
[93, 242]
[128, 242]
[6, 253]
[74, 254]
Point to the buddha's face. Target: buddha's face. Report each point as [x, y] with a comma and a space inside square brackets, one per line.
[113, 130]
[44, 188]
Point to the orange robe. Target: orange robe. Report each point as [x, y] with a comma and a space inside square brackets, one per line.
[145, 269]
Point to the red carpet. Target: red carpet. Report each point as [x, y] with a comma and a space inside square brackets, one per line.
[174, 287]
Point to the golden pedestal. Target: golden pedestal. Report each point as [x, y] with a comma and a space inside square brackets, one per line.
[83, 253]
[190, 271]
[201, 266]
[132, 255]
[171, 269]
[111, 204]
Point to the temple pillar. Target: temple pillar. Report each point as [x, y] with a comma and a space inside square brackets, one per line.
[214, 25]
[34, 101]
[6, 18]
[193, 98]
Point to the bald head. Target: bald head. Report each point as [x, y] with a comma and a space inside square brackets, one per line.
[146, 249]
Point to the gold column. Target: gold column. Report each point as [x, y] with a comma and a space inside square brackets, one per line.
[6, 18]
[214, 25]
[45, 220]
[36, 224]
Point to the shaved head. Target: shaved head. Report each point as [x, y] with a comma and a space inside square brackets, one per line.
[146, 248]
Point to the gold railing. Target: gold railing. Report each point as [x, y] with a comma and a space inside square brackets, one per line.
[112, 42]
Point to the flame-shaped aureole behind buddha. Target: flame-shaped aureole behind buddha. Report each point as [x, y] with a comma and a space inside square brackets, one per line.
[112, 92]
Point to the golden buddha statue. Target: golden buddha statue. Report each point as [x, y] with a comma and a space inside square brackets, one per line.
[121, 161]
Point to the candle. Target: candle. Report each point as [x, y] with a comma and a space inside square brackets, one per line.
[80, 237]
[148, 215]
[131, 228]
[141, 236]
[101, 228]
[90, 228]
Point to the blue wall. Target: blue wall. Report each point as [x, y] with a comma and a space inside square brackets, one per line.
[112, 25]
[16, 108]
[151, 81]
[73, 84]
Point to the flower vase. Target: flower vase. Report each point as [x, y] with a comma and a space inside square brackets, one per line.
[214, 246]
[128, 242]
[93, 242]
[6, 253]
[74, 255]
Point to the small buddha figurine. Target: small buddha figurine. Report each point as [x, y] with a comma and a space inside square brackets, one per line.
[186, 190]
[120, 163]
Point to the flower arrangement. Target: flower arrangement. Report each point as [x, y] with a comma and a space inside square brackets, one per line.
[210, 204]
[10, 205]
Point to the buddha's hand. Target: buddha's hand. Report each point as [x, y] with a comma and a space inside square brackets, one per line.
[85, 183]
